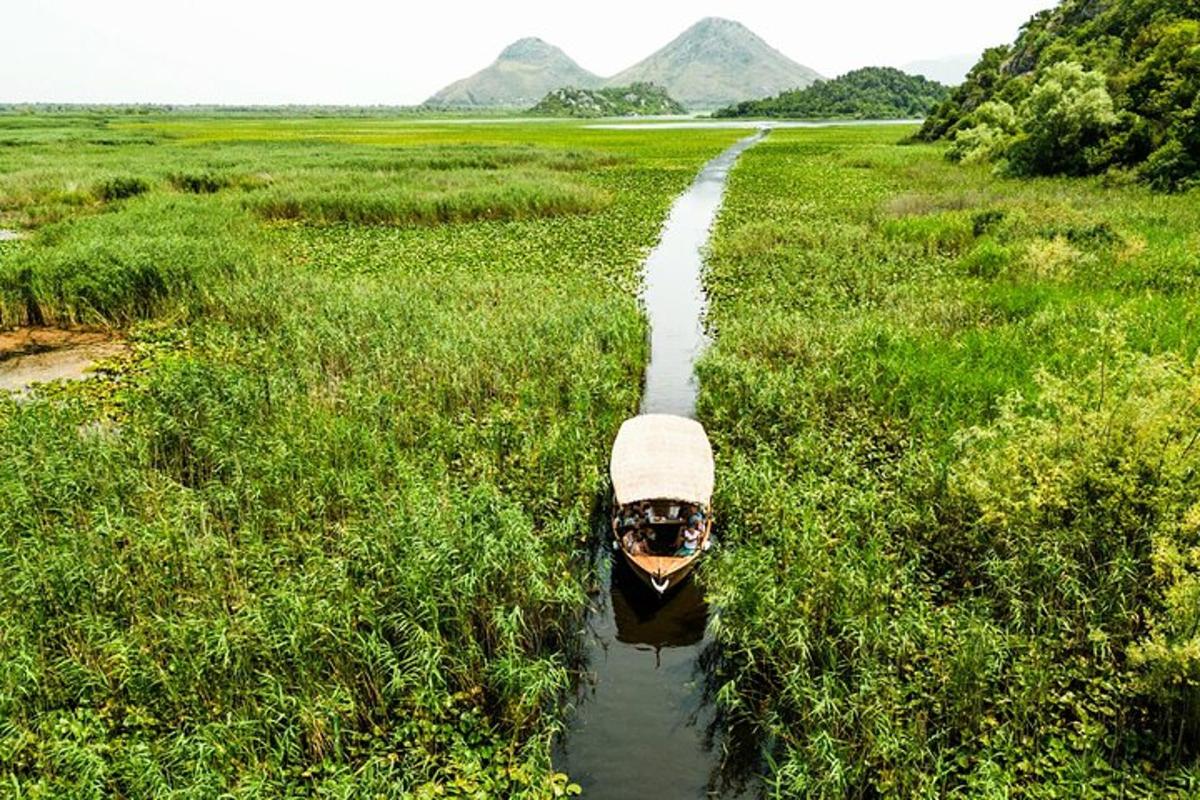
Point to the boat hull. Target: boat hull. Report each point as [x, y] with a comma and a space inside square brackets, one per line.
[659, 572]
[659, 579]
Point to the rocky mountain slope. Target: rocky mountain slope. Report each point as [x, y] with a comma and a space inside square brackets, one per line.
[521, 76]
[714, 63]
[717, 62]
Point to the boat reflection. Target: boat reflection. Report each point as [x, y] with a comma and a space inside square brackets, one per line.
[642, 618]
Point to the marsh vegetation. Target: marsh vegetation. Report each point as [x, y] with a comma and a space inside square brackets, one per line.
[323, 527]
[956, 428]
[321, 535]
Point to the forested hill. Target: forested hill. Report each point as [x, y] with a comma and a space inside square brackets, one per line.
[1089, 86]
[868, 93]
[640, 99]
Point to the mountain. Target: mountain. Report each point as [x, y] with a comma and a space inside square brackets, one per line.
[868, 93]
[522, 75]
[638, 100]
[717, 62]
[712, 64]
[1088, 86]
[950, 71]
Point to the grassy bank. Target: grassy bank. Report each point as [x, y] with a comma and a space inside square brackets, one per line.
[321, 534]
[956, 422]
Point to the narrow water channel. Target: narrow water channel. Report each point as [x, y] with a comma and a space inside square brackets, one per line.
[641, 726]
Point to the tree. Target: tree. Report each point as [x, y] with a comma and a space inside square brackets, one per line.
[1064, 124]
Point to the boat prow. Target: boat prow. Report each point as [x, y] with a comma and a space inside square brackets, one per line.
[662, 573]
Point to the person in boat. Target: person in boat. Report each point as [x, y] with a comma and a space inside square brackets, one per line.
[692, 534]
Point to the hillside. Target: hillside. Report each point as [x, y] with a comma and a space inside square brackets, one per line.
[868, 93]
[1088, 86]
[714, 63]
[522, 74]
[638, 100]
[717, 62]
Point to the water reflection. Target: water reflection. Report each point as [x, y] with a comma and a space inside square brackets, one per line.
[641, 618]
[643, 725]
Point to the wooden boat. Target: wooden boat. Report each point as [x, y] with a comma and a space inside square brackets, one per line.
[662, 474]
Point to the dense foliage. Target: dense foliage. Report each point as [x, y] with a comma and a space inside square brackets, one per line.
[322, 531]
[1091, 85]
[320, 535]
[957, 424]
[635, 100]
[868, 93]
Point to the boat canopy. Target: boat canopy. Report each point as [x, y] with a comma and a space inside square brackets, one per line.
[662, 457]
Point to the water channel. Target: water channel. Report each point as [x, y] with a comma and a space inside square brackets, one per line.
[642, 727]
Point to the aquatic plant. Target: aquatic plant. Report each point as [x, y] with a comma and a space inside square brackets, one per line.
[327, 539]
[956, 441]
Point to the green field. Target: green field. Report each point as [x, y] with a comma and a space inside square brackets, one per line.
[324, 529]
[327, 535]
[956, 421]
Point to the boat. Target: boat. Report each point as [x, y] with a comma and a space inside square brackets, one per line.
[662, 475]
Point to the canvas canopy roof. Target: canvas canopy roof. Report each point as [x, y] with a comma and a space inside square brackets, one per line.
[662, 457]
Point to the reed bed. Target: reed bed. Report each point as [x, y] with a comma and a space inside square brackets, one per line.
[324, 534]
[956, 427]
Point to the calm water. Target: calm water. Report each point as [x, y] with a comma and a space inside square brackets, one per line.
[674, 289]
[734, 124]
[642, 726]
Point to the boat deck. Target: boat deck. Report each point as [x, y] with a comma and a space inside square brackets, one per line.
[662, 565]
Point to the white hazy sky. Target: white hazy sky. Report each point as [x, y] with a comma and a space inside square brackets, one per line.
[400, 52]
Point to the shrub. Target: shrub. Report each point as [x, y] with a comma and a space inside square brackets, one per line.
[992, 129]
[1087, 502]
[988, 260]
[200, 182]
[1064, 123]
[1171, 167]
[120, 188]
[984, 221]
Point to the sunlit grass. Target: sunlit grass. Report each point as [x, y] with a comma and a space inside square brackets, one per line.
[955, 422]
[326, 541]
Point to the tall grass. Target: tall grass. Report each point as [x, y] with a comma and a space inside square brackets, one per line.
[325, 540]
[429, 199]
[955, 421]
[158, 254]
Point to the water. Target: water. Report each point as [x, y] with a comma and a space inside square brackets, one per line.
[642, 726]
[735, 124]
[674, 295]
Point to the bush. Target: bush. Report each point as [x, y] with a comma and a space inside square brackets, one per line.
[121, 188]
[1088, 502]
[988, 260]
[1171, 167]
[200, 182]
[1063, 123]
[993, 127]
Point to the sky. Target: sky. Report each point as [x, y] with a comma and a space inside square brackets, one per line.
[366, 52]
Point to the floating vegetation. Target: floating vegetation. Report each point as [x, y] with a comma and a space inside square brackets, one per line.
[958, 459]
[321, 534]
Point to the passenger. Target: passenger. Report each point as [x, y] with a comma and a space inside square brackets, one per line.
[634, 545]
[649, 538]
[692, 535]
